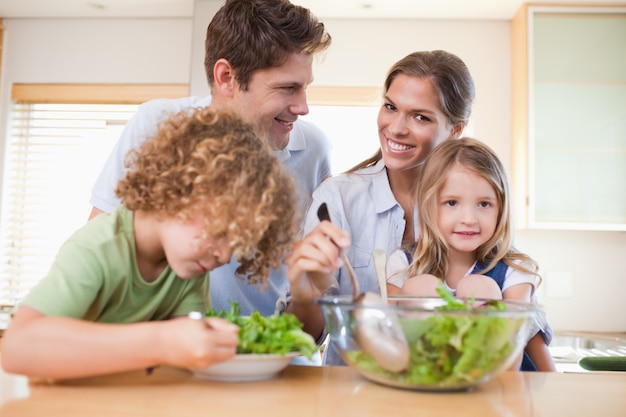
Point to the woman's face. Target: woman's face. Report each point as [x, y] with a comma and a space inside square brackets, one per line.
[411, 123]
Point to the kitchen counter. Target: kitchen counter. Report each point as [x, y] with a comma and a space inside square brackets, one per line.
[301, 391]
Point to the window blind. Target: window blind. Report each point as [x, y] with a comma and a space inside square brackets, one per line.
[53, 155]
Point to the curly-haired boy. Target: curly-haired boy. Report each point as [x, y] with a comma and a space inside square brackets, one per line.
[203, 189]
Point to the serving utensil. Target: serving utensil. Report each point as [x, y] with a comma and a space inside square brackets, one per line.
[380, 263]
[379, 335]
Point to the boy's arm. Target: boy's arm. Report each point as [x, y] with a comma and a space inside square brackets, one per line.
[62, 347]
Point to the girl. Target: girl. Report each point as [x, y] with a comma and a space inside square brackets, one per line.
[465, 236]
[203, 189]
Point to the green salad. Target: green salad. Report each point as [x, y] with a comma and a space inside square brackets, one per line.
[450, 350]
[278, 334]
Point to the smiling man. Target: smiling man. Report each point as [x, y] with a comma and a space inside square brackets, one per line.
[258, 60]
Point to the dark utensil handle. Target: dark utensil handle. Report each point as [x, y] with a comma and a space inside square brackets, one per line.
[323, 214]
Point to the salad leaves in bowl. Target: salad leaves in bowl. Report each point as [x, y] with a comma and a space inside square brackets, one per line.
[454, 344]
[267, 344]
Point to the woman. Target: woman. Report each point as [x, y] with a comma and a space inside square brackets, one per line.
[427, 100]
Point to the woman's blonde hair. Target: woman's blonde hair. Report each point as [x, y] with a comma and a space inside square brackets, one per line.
[211, 163]
[431, 253]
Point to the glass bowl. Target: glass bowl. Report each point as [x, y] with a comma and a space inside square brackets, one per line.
[448, 350]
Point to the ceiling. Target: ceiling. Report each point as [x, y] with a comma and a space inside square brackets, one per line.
[422, 9]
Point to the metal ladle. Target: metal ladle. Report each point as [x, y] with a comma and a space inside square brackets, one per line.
[378, 332]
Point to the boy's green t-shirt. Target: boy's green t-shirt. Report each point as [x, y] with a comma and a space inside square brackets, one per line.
[95, 277]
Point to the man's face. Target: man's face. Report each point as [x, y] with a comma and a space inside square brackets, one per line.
[275, 98]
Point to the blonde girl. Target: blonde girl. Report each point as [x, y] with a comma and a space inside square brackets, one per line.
[466, 235]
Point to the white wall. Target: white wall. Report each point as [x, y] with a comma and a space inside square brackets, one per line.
[97, 50]
[92, 51]
[159, 50]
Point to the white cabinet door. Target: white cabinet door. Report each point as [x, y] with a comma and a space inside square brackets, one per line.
[570, 127]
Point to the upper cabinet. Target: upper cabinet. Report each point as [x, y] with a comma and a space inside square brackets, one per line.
[569, 117]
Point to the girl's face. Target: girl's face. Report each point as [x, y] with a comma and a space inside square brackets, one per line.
[188, 252]
[467, 212]
[411, 123]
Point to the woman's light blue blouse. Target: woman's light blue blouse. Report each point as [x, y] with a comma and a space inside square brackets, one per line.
[363, 205]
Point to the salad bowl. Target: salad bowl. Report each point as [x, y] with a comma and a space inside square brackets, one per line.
[267, 344]
[453, 344]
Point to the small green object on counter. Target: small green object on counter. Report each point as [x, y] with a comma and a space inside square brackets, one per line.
[278, 333]
[603, 363]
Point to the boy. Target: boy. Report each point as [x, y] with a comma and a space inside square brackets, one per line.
[203, 190]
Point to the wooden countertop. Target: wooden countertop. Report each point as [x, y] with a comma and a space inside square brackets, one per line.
[301, 391]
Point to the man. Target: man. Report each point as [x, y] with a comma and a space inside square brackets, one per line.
[258, 60]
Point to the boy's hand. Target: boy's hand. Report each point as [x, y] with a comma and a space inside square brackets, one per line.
[191, 343]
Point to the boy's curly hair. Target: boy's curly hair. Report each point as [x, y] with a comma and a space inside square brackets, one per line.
[212, 163]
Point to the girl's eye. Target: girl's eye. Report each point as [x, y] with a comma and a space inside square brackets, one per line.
[451, 203]
[484, 204]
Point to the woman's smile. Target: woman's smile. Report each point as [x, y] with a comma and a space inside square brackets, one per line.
[394, 146]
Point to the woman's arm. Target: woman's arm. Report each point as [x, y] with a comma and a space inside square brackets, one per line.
[310, 271]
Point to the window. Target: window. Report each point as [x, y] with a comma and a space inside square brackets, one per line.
[53, 154]
[53, 157]
[352, 131]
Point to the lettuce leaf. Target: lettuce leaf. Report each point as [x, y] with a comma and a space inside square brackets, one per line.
[278, 334]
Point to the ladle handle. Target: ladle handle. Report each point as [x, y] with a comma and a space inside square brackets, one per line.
[380, 263]
[323, 214]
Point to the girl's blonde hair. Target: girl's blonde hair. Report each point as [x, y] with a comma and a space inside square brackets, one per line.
[211, 163]
[431, 253]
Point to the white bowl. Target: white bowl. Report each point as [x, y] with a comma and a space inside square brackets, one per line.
[246, 367]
